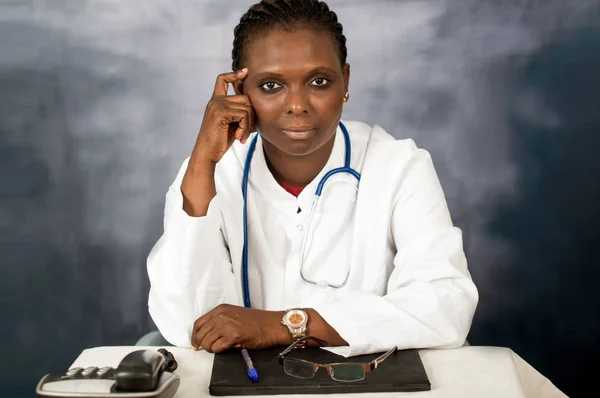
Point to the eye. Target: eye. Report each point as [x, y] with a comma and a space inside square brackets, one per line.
[269, 86]
[319, 82]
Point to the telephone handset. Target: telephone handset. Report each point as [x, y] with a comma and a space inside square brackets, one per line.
[141, 373]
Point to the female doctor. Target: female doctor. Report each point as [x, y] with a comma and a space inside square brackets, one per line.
[312, 226]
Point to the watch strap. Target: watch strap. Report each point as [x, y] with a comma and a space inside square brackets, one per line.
[301, 332]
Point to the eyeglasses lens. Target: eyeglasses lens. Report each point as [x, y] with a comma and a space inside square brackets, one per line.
[298, 369]
[349, 372]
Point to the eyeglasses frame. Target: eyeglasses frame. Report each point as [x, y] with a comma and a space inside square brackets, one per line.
[368, 367]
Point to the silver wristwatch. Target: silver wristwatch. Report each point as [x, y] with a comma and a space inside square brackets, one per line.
[296, 321]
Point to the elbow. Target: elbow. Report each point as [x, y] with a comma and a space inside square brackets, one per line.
[452, 333]
[459, 320]
[177, 335]
[171, 326]
[176, 338]
[453, 337]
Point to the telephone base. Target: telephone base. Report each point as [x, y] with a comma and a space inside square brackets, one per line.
[57, 385]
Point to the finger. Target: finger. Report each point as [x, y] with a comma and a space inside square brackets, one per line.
[252, 128]
[251, 116]
[201, 334]
[198, 325]
[246, 126]
[238, 113]
[221, 345]
[210, 339]
[201, 321]
[238, 99]
[233, 105]
[224, 79]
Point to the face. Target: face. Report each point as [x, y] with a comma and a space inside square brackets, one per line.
[296, 85]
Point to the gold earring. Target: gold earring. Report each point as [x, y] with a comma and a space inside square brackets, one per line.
[346, 97]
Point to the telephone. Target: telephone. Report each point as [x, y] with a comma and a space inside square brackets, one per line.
[141, 373]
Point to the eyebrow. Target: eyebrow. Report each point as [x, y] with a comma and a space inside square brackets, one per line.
[319, 69]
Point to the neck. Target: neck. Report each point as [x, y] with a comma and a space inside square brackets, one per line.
[297, 171]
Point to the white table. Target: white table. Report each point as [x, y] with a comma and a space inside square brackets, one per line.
[462, 372]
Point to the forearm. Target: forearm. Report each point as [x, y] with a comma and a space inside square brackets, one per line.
[183, 289]
[189, 267]
[419, 315]
[198, 186]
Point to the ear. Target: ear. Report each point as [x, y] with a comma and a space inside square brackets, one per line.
[238, 87]
[346, 74]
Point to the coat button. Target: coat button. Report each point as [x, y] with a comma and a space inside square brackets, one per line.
[300, 227]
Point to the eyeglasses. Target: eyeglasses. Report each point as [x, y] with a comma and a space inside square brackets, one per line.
[340, 371]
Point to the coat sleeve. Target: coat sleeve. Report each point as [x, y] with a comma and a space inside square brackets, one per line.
[189, 267]
[430, 299]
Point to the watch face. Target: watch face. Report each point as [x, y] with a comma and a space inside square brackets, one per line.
[296, 318]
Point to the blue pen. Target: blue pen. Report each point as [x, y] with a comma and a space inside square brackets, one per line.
[252, 373]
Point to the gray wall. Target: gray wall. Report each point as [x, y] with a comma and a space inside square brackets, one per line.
[100, 102]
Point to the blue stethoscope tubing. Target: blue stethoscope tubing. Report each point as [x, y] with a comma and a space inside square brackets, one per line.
[345, 169]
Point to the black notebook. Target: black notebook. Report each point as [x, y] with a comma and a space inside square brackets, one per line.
[402, 371]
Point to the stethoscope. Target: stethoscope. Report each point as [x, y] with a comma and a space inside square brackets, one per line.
[320, 188]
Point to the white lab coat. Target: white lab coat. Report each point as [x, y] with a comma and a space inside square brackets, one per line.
[408, 282]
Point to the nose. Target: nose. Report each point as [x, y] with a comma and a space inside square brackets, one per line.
[297, 102]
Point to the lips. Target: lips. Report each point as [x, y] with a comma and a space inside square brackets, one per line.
[299, 133]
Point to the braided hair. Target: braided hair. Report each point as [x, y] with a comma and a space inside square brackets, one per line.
[286, 14]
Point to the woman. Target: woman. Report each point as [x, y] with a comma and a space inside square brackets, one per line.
[381, 265]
